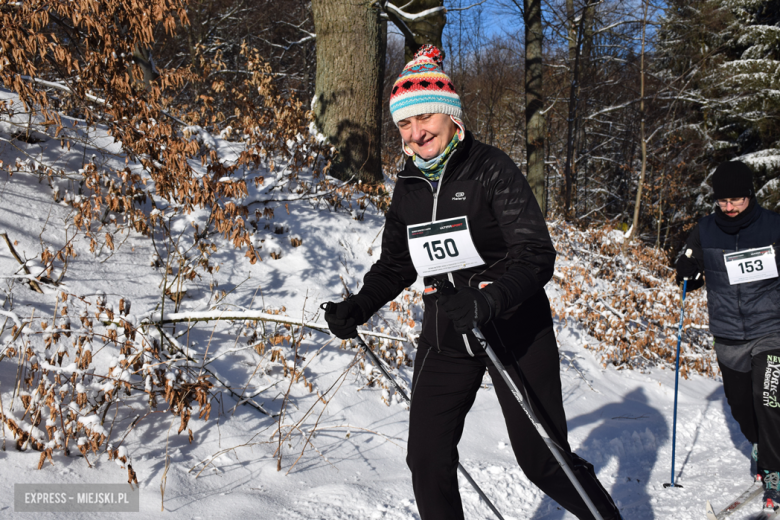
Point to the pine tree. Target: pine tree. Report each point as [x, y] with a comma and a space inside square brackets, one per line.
[721, 61]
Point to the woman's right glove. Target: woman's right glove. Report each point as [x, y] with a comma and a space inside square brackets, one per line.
[467, 307]
[344, 317]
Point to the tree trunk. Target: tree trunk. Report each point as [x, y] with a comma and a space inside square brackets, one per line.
[534, 101]
[427, 30]
[351, 42]
[576, 48]
[142, 56]
[638, 203]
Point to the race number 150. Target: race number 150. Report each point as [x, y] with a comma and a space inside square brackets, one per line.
[435, 249]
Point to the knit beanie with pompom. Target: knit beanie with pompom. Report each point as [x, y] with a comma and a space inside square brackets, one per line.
[424, 88]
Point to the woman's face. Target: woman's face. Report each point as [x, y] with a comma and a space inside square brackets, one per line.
[427, 134]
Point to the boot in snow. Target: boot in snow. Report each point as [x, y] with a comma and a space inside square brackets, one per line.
[755, 472]
[771, 493]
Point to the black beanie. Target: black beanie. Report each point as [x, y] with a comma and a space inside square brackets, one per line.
[732, 180]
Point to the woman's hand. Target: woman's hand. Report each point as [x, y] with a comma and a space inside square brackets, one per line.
[467, 307]
[343, 318]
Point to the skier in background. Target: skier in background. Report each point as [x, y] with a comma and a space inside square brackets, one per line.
[743, 296]
[462, 211]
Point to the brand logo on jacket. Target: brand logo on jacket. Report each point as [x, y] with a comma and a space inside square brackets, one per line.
[459, 196]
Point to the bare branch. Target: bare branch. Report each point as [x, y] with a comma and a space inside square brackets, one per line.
[415, 17]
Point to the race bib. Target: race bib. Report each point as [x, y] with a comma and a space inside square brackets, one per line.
[751, 265]
[442, 246]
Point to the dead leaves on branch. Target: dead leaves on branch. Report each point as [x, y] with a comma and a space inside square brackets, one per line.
[66, 397]
[76, 58]
[628, 303]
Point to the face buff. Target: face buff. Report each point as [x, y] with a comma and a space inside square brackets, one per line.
[433, 168]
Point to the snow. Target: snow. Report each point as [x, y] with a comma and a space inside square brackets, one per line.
[346, 460]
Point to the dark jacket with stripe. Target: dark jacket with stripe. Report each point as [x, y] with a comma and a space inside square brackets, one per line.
[745, 311]
[508, 228]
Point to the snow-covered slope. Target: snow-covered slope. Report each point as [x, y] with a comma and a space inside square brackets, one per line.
[353, 466]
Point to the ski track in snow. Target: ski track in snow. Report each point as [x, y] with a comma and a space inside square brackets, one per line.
[623, 425]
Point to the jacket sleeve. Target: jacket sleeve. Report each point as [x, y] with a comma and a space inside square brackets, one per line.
[394, 271]
[694, 244]
[531, 252]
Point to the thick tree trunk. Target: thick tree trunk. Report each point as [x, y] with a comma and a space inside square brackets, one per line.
[351, 41]
[534, 99]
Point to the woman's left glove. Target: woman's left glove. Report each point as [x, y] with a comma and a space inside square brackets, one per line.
[467, 308]
[344, 317]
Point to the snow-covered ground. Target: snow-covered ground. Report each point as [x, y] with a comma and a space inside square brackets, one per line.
[354, 466]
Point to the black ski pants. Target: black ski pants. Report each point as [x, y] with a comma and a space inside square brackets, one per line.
[443, 391]
[755, 404]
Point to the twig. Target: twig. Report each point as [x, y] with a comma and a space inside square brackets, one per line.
[571, 364]
[208, 460]
[367, 430]
[178, 347]
[2, 424]
[317, 422]
[296, 345]
[164, 478]
[341, 378]
[33, 283]
[20, 369]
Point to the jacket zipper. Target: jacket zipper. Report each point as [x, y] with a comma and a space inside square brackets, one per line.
[449, 275]
[739, 293]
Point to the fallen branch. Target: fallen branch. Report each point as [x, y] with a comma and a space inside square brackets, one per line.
[179, 317]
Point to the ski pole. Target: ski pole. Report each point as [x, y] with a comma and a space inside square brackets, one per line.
[676, 379]
[446, 286]
[539, 427]
[378, 362]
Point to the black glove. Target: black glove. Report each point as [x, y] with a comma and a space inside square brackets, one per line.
[688, 269]
[467, 308]
[343, 318]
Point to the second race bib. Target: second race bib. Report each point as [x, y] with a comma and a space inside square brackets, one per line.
[751, 265]
[442, 246]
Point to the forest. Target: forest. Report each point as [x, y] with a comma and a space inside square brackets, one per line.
[617, 111]
[184, 182]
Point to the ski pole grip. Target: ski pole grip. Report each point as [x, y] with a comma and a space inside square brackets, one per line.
[444, 287]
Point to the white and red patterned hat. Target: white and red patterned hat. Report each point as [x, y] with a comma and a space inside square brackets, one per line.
[424, 88]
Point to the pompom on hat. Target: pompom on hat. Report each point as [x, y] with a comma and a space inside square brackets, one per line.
[424, 88]
[732, 180]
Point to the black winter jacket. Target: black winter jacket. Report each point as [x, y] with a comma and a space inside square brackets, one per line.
[508, 229]
[746, 311]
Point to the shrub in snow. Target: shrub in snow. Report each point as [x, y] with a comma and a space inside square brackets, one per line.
[80, 396]
[628, 303]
